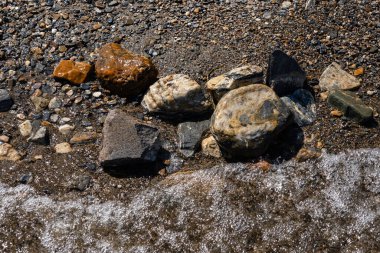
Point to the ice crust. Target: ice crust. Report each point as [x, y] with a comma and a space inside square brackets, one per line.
[332, 204]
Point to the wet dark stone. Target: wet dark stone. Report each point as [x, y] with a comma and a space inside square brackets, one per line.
[6, 101]
[284, 74]
[190, 135]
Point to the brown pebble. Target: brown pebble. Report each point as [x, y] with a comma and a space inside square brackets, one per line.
[336, 113]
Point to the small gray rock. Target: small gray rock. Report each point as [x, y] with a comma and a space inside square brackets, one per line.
[41, 136]
[190, 135]
[127, 142]
[302, 105]
[352, 107]
[6, 101]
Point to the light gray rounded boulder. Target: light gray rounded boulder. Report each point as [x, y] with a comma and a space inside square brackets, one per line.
[247, 119]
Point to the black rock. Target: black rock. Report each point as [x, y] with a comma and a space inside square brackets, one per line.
[6, 101]
[302, 105]
[284, 74]
[190, 135]
[127, 143]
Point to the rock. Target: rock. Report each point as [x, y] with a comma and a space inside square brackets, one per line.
[307, 154]
[336, 113]
[6, 101]
[310, 5]
[334, 77]
[284, 74]
[41, 136]
[359, 71]
[286, 5]
[83, 138]
[55, 103]
[66, 129]
[210, 147]
[238, 77]
[176, 94]
[302, 105]
[40, 103]
[126, 142]
[74, 72]
[82, 183]
[4, 138]
[26, 128]
[247, 119]
[7, 152]
[190, 135]
[351, 106]
[26, 178]
[63, 148]
[122, 72]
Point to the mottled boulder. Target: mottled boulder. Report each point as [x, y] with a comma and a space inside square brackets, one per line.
[176, 94]
[302, 105]
[246, 120]
[6, 101]
[74, 72]
[190, 135]
[238, 77]
[334, 77]
[351, 106]
[127, 142]
[284, 74]
[123, 72]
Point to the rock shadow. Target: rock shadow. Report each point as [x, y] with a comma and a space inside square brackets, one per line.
[133, 170]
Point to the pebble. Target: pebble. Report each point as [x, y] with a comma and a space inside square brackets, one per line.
[63, 148]
[26, 128]
[351, 106]
[334, 77]
[6, 101]
[96, 94]
[83, 138]
[41, 136]
[40, 103]
[4, 138]
[74, 72]
[123, 72]
[190, 135]
[238, 77]
[7, 152]
[176, 94]
[66, 129]
[210, 147]
[284, 74]
[302, 105]
[336, 113]
[55, 103]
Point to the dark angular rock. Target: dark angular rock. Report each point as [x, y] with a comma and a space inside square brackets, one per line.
[41, 136]
[284, 74]
[190, 135]
[302, 105]
[6, 101]
[352, 107]
[126, 142]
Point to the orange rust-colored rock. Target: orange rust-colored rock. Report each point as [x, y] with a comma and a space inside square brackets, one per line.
[123, 72]
[74, 72]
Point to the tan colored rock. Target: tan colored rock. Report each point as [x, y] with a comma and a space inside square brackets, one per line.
[7, 152]
[4, 138]
[305, 154]
[238, 77]
[40, 103]
[176, 94]
[74, 72]
[85, 137]
[123, 72]
[63, 148]
[66, 129]
[210, 147]
[247, 119]
[26, 128]
[334, 77]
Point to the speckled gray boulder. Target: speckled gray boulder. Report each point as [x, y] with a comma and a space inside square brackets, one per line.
[247, 119]
[238, 77]
[176, 94]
